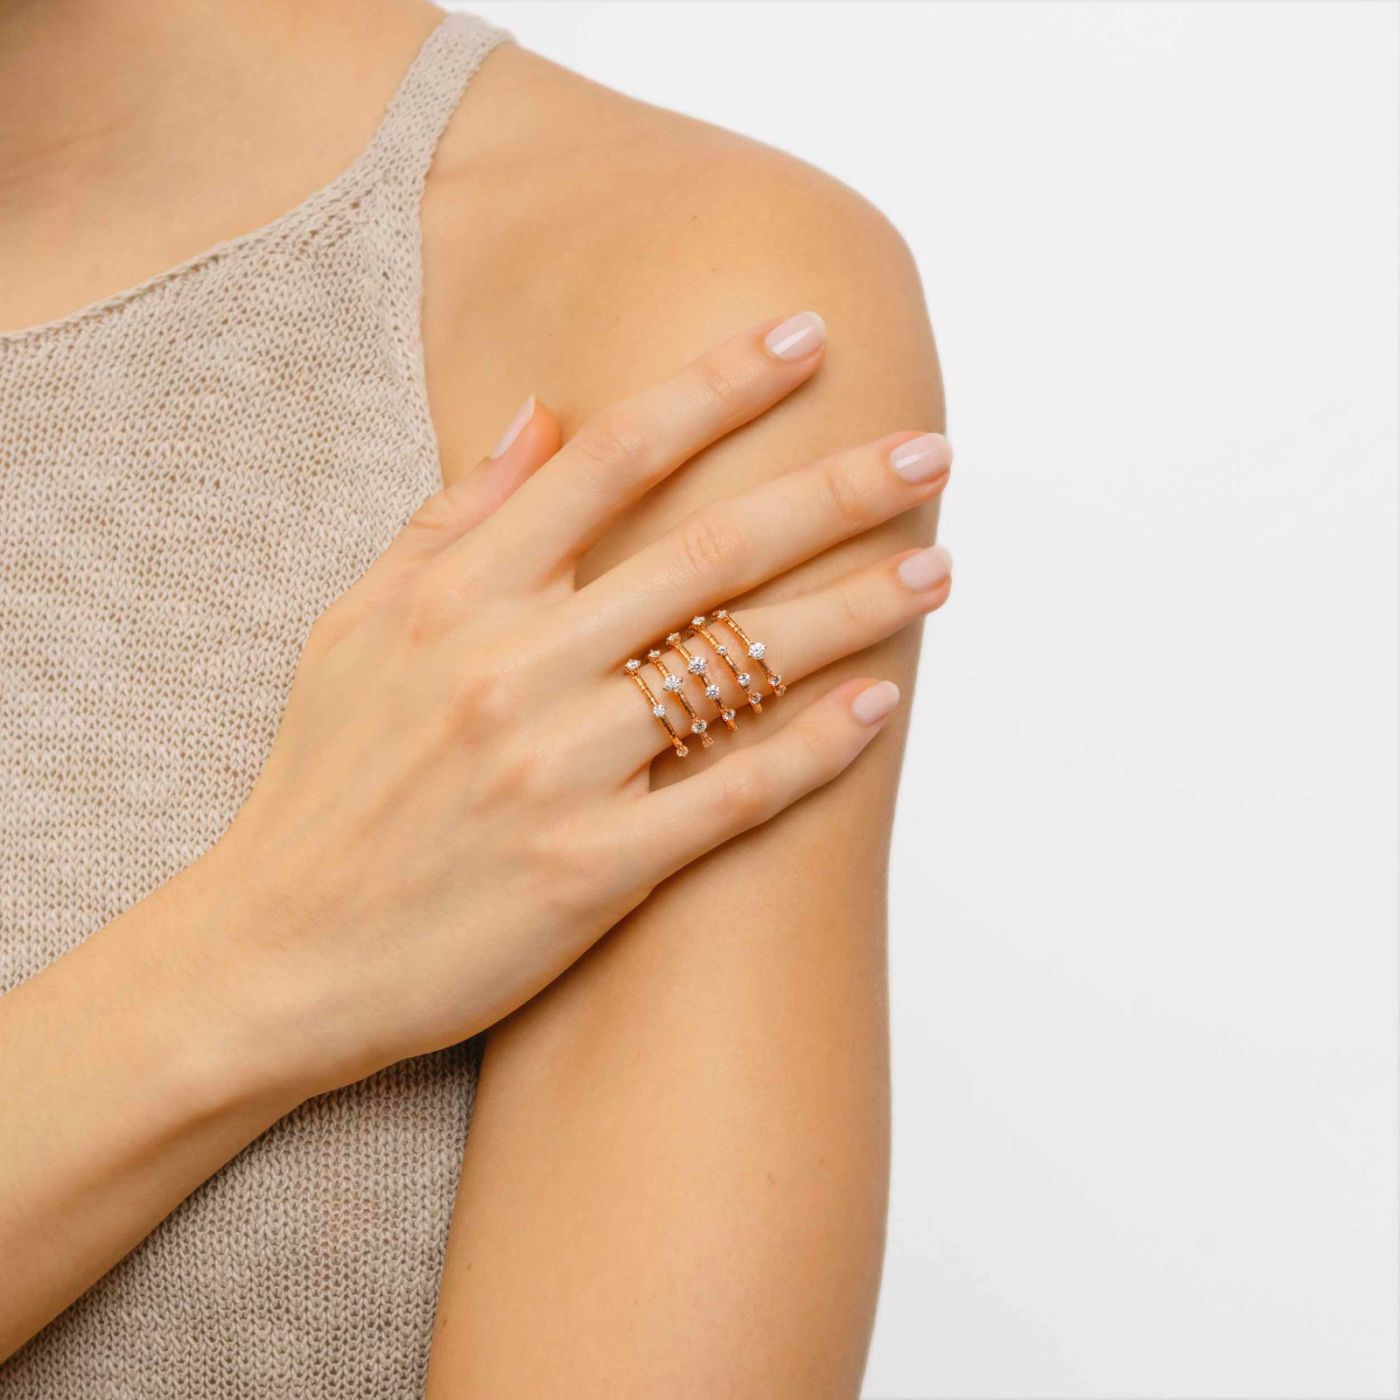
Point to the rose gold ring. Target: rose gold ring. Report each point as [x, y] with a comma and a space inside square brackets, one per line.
[744, 680]
[755, 651]
[634, 669]
[673, 683]
[699, 667]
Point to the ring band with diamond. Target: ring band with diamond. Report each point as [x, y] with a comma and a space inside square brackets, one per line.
[634, 669]
[756, 651]
[699, 667]
[673, 683]
[743, 678]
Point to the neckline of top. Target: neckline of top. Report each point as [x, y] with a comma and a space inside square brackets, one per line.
[363, 166]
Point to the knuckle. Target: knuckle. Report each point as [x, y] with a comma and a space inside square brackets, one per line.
[615, 440]
[479, 701]
[567, 871]
[421, 612]
[710, 542]
[721, 380]
[440, 515]
[860, 610]
[841, 495]
[822, 753]
[746, 794]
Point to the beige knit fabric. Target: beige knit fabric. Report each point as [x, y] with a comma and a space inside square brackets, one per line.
[190, 471]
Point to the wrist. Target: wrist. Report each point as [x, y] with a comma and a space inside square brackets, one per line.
[241, 1037]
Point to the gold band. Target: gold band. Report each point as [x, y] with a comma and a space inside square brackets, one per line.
[634, 669]
[756, 651]
[742, 677]
[698, 666]
[674, 684]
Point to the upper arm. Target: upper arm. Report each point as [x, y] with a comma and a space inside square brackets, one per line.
[675, 1181]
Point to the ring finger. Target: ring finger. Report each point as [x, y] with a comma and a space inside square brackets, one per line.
[728, 548]
[802, 635]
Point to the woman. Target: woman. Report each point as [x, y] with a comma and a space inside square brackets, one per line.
[328, 741]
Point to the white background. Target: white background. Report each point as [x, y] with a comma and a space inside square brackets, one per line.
[1144, 907]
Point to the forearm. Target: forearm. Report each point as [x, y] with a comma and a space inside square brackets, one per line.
[131, 1070]
[678, 1162]
[676, 1174]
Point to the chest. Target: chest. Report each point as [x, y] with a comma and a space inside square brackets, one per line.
[186, 482]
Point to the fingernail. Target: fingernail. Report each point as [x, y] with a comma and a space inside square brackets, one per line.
[875, 702]
[527, 412]
[797, 336]
[922, 458]
[926, 569]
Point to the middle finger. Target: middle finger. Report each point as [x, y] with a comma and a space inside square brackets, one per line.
[725, 549]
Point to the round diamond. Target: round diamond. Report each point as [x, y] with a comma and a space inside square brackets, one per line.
[699, 727]
[681, 750]
[712, 692]
[634, 665]
[659, 711]
[743, 678]
[653, 655]
[696, 665]
[697, 621]
[754, 697]
[722, 651]
[775, 681]
[672, 683]
[727, 716]
[721, 613]
[673, 638]
[757, 650]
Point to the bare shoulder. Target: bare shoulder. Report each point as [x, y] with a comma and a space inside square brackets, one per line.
[579, 244]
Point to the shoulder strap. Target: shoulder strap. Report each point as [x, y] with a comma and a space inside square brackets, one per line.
[402, 148]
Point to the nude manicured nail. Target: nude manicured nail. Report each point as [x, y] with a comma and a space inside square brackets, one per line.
[875, 702]
[797, 336]
[527, 412]
[926, 569]
[922, 458]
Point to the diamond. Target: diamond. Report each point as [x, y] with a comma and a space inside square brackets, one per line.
[659, 711]
[699, 727]
[776, 682]
[712, 692]
[653, 655]
[672, 683]
[722, 651]
[696, 665]
[757, 650]
[721, 613]
[698, 621]
[727, 716]
[754, 697]
[743, 678]
[634, 665]
[681, 750]
[673, 638]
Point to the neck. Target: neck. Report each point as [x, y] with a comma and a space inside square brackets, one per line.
[102, 100]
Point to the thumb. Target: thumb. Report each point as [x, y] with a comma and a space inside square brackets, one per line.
[531, 438]
[529, 441]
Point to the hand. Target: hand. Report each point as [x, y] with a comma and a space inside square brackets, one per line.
[457, 803]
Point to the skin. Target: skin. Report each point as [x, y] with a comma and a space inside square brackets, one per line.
[675, 1180]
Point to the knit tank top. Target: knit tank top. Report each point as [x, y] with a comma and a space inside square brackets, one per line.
[190, 472]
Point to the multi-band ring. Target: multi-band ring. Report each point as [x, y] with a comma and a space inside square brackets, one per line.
[698, 667]
[741, 676]
[634, 669]
[756, 651]
[674, 684]
[739, 660]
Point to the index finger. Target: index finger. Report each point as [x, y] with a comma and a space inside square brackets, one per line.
[619, 455]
